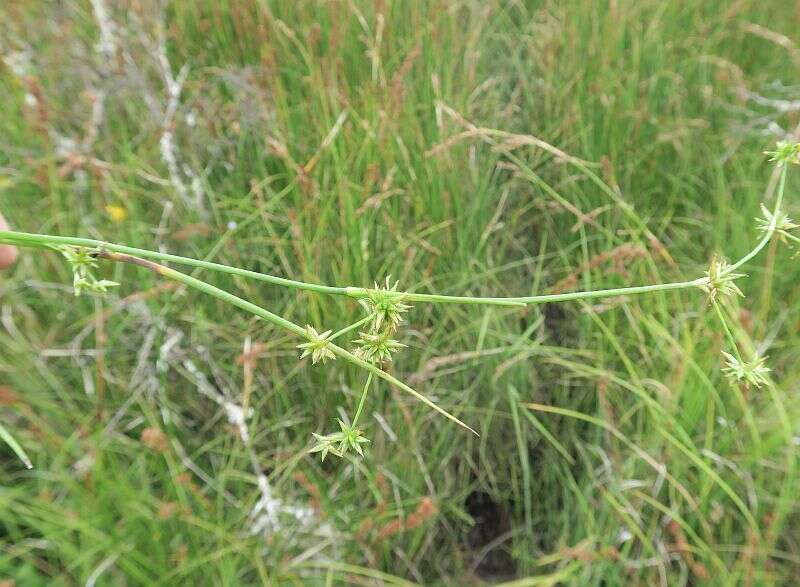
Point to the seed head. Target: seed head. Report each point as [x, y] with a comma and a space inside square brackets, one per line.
[785, 152]
[339, 443]
[317, 346]
[377, 348]
[82, 262]
[778, 222]
[91, 285]
[721, 280]
[386, 304]
[80, 259]
[753, 372]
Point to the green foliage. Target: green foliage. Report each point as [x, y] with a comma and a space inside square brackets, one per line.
[625, 455]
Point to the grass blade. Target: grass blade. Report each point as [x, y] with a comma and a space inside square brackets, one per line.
[18, 450]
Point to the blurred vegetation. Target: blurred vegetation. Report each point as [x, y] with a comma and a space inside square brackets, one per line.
[340, 142]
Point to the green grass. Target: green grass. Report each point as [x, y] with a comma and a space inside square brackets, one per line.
[612, 450]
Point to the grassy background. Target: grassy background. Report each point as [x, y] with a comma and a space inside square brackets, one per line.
[655, 470]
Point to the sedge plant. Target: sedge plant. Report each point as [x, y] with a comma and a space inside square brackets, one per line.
[373, 338]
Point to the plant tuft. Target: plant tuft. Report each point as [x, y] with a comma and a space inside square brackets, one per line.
[386, 303]
[82, 262]
[721, 281]
[775, 221]
[377, 347]
[753, 372]
[317, 346]
[785, 152]
[340, 443]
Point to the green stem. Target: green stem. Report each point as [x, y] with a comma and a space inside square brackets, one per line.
[791, 237]
[541, 299]
[339, 351]
[726, 328]
[25, 239]
[770, 230]
[352, 327]
[363, 400]
[43, 240]
[225, 296]
[743, 405]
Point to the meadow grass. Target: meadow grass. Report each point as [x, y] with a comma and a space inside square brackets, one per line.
[450, 145]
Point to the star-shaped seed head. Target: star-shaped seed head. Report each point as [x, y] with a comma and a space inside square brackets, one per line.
[386, 304]
[82, 262]
[753, 372]
[777, 222]
[377, 348]
[91, 285]
[721, 281]
[785, 152]
[317, 346]
[339, 443]
[79, 258]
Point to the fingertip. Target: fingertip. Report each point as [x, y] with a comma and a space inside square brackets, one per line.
[8, 255]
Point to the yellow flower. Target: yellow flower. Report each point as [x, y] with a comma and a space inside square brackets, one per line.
[117, 213]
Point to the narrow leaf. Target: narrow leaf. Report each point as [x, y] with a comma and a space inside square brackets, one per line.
[9, 440]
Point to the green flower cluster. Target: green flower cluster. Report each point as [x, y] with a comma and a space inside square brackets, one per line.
[82, 262]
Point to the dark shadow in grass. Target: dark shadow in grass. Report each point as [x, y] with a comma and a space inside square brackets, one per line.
[489, 537]
[557, 323]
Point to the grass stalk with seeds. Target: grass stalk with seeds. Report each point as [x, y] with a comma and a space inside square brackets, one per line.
[385, 306]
